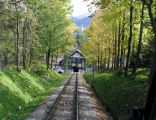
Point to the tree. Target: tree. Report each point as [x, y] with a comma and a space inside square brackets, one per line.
[140, 41]
[30, 29]
[130, 38]
[150, 107]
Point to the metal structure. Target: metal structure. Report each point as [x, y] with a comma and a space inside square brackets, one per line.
[69, 111]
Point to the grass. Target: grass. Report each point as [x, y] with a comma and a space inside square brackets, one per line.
[21, 92]
[120, 94]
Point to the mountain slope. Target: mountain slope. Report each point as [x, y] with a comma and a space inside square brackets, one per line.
[79, 21]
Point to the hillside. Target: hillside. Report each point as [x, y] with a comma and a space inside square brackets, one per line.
[22, 91]
[79, 21]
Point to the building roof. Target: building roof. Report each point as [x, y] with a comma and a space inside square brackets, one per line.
[77, 53]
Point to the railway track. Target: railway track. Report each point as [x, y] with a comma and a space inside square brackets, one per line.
[74, 100]
[66, 105]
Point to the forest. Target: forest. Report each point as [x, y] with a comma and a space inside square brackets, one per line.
[119, 48]
[33, 32]
[122, 34]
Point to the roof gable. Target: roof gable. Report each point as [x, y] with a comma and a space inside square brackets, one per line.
[77, 53]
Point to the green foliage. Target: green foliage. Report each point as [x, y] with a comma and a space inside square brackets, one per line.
[42, 25]
[120, 94]
[80, 37]
[119, 38]
[22, 91]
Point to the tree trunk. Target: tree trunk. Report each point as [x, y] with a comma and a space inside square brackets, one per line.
[136, 65]
[101, 60]
[150, 103]
[130, 38]
[1, 59]
[48, 57]
[119, 41]
[5, 59]
[24, 44]
[52, 55]
[17, 37]
[123, 60]
[98, 58]
[31, 55]
[149, 107]
[108, 65]
[112, 63]
[115, 51]
[122, 42]
[105, 62]
[56, 59]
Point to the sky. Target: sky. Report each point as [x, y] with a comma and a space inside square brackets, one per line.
[79, 8]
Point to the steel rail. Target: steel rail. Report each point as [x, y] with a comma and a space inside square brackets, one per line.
[58, 98]
[76, 97]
